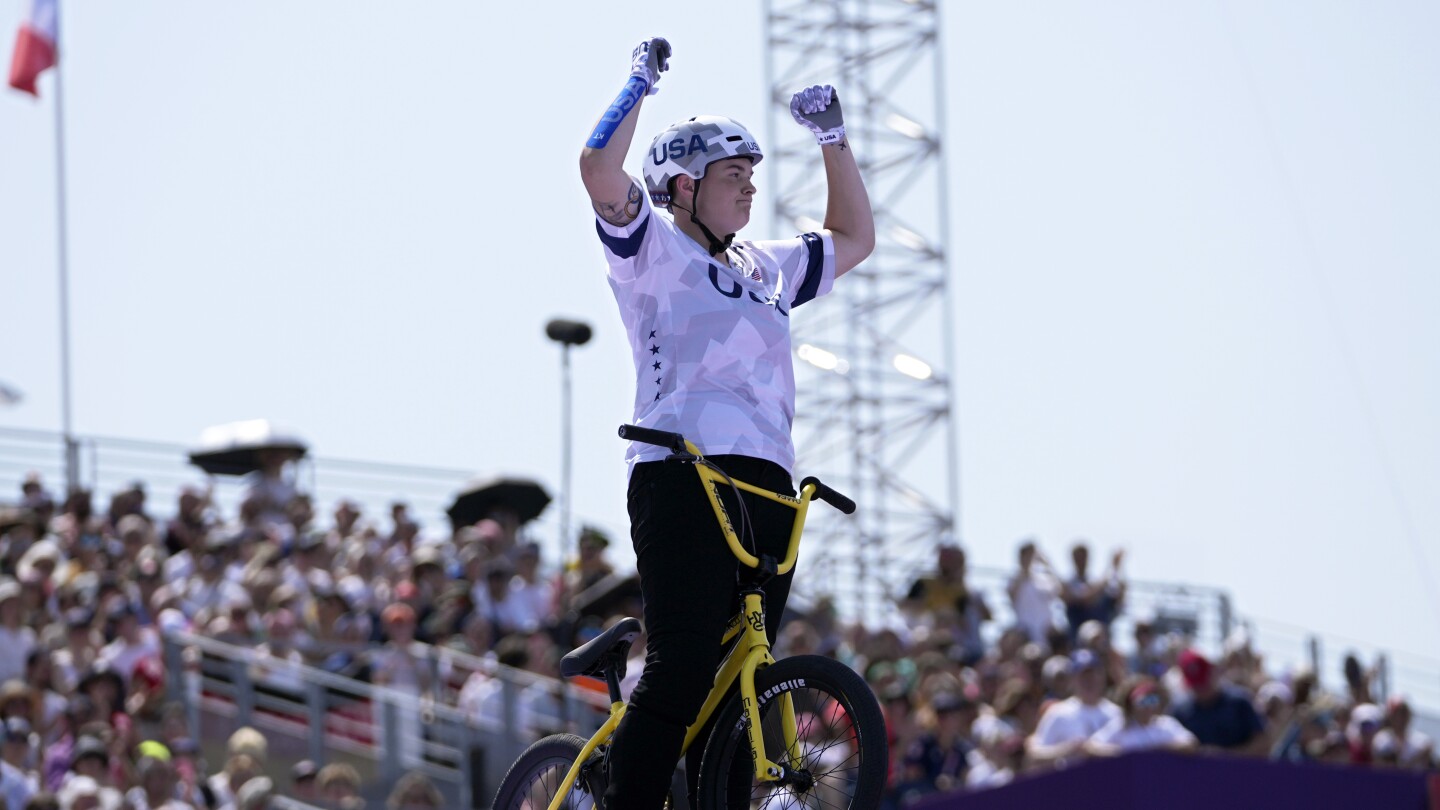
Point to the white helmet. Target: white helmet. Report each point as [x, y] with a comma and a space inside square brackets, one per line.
[687, 147]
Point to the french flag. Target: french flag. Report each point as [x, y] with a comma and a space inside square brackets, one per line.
[35, 45]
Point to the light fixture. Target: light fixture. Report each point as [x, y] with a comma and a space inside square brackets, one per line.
[822, 359]
[912, 367]
[904, 126]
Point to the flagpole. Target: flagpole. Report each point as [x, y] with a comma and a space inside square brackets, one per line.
[72, 449]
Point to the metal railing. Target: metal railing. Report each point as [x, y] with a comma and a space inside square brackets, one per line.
[109, 465]
[1288, 646]
[1203, 613]
[306, 712]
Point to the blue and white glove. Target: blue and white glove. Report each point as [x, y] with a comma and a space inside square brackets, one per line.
[648, 61]
[817, 109]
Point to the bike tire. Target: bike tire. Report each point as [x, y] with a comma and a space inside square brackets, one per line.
[535, 778]
[843, 741]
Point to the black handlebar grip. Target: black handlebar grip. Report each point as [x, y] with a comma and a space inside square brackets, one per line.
[660, 438]
[830, 496]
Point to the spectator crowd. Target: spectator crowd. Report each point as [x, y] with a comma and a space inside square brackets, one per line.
[85, 596]
[1054, 690]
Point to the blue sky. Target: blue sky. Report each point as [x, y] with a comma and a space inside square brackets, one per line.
[1193, 260]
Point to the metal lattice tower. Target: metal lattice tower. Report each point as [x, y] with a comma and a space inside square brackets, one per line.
[873, 410]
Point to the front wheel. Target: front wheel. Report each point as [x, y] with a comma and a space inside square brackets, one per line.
[534, 779]
[841, 747]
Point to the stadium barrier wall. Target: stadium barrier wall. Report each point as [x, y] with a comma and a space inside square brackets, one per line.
[1145, 781]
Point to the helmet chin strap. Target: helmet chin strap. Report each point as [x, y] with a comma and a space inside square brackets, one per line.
[717, 246]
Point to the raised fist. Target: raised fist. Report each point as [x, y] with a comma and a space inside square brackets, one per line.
[649, 59]
[817, 109]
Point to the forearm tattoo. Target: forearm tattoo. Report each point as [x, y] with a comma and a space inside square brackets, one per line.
[619, 214]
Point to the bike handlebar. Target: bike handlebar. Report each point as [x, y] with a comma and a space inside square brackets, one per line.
[673, 442]
[829, 495]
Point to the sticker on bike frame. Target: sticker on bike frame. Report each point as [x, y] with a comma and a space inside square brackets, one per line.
[764, 697]
[780, 689]
[724, 513]
[757, 621]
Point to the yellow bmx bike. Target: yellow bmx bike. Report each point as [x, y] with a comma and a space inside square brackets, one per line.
[801, 732]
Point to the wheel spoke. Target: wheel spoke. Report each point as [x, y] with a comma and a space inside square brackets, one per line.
[832, 778]
[836, 742]
[536, 778]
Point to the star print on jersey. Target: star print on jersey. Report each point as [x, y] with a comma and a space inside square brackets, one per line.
[654, 350]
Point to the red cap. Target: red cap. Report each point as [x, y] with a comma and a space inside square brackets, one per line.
[149, 672]
[1195, 667]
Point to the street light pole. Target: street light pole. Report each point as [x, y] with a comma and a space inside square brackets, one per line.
[567, 334]
[566, 461]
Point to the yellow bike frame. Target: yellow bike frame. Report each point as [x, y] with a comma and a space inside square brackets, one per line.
[750, 655]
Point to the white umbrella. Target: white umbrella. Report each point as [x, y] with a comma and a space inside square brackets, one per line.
[236, 448]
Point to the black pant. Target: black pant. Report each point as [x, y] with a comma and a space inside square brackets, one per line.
[688, 582]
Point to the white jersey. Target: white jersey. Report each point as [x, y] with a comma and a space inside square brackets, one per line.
[711, 342]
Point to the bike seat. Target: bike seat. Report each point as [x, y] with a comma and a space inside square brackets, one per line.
[605, 651]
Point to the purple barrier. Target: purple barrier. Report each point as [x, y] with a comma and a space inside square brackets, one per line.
[1174, 782]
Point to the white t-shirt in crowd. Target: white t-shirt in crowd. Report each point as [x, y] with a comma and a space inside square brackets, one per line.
[1035, 599]
[983, 773]
[538, 597]
[123, 656]
[513, 613]
[711, 342]
[1163, 731]
[15, 647]
[1071, 720]
[1409, 749]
